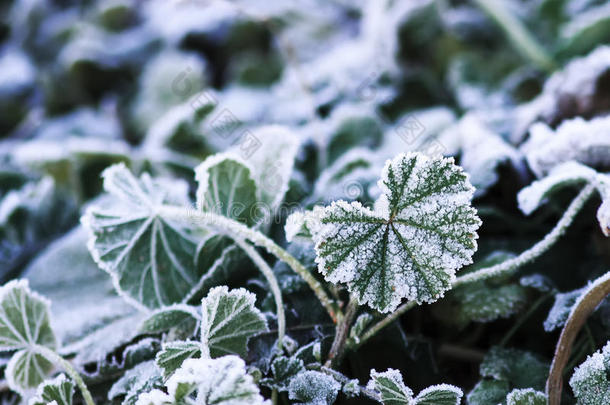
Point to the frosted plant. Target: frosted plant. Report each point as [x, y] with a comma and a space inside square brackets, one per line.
[526, 396]
[590, 380]
[313, 388]
[392, 391]
[221, 381]
[58, 390]
[421, 230]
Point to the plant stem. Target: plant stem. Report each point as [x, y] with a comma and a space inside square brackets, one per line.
[517, 33]
[585, 305]
[67, 366]
[538, 249]
[338, 347]
[505, 267]
[523, 318]
[235, 229]
[273, 284]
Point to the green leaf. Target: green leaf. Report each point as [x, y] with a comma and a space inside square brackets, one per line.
[520, 368]
[150, 257]
[58, 391]
[229, 319]
[560, 311]
[284, 369]
[359, 326]
[24, 324]
[352, 129]
[226, 187]
[181, 320]
[442, 394]
[221, 381]
[488, 392]
[527, 396]
[142, 378]
[173, 355]
[313, 388]
[391, 388]
[421, 231]
[590, 381]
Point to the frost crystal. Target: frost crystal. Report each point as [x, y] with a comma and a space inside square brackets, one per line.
[421, 231]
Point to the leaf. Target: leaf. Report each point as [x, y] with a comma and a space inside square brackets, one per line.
[150, 257]
[284, 369]
[350, 129]
[181, 320]
[421, 231]
[221, 381]
[226, 187]
[359, 327]
[560, 311]
[390, 386]
[58, 390]
[590, 381]
[526, 396]
[142, 378]
[313, 388]
[25, 324]
[173, 355]
[228, 320]
[442, 394]
[520, 368]
[488, 392]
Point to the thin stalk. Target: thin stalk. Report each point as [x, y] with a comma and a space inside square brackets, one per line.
[236, 229]
[505, 267]
[585, 305]
[523, 318]
[517, 33]
[67, 366]
[538, 249]
[338, 347]
[273, 284]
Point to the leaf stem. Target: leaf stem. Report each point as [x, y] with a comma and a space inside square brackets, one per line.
[586, 304]
[273, 284]
[338, 347]
[524, 318]
[535, 251]
[517, 33]
[234, 229]
[502, 268]
[67, 366]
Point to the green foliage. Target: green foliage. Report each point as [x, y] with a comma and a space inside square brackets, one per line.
[59, 391]
[590, 380]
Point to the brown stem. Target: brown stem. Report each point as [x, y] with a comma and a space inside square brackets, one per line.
[585, 305]
[338, 347]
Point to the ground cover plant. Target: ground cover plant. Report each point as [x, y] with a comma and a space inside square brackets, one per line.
[317, 202]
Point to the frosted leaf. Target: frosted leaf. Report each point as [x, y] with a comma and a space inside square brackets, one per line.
[527, 396]
[590, 380]
[142, 378]
[359, 326]
[603, 212]
[488, 392]
[222, 381]
[150, 257]
[520, 368]
[420, 232]
[182, 320]
[391, 388]
[284, 369]
[24, 324]
[442, 394]
[173, 355]
[587, 142]
[296, 227]
[58, 390]
[226, 187]
[560, 311]
[482, 152]
[228, 320]
[313, 388]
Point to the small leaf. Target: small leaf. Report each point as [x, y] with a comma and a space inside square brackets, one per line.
[527, 396]
[560, 311]
[488, 392]
[313, 388]
[226, 187]
[150, 257]
[359, 326]
[59, 391]
[421, 231]
[229, 319]
[173, 354]
[142, 378]
[183, 320]
[390, 386]
[24, 324]
[284, 369]
[442, 394]
[590, 381]
[520, 368]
